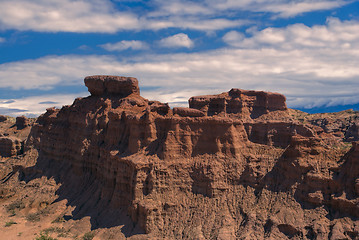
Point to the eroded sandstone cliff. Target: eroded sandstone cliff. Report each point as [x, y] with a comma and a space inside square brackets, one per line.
[13, 133]
[238, 165]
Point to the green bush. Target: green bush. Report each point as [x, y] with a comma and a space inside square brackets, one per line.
[61, 232]
[18, 204]
[8, 224]
[59, 219]
[33, 217]
[44, 236]
[88, 236]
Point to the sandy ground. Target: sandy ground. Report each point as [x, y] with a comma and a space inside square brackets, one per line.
[22, 218]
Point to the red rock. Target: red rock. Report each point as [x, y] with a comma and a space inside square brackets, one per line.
[187, 112]
[352, 133]
[3, 118]
[95, 85]
[158, 107]
[349, 172]
[233, 165]
[22, 122]
[122, 86]
[9, 146]
[237, 101]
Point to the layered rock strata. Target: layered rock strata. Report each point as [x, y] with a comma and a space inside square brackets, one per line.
[233, 165]
[121, 86]
[238, 101]
[13, 133]
[10, 146]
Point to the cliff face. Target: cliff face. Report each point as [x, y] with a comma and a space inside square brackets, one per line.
[243, 103]
[13, 133]
[233, 165]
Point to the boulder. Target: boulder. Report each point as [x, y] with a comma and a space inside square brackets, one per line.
[99, 85]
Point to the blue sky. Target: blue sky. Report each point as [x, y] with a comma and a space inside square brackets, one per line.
[305, 49]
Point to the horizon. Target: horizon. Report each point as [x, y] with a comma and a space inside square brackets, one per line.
[306, 50]
[334, 109]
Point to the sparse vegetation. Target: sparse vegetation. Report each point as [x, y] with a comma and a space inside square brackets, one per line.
[16, 205]
[62, 232]
[44, 204]
[347, 145]
[88, 236]
[33, 217]
[343, 146]
[45, 236]
[59, 219]
[8, 224]
[12, 213]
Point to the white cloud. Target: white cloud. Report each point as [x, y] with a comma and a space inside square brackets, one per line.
[308, 75]
[233, 38]
[93, 16]
[175, 41]
[65, 15]
[34, 106]
[290, 9]
[85, 16]
[124, 45]
[336, 34]
[178, 8]
[282, 8]
[2, 39]
[47, 72]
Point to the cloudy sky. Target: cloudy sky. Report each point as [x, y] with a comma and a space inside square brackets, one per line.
[305, 49]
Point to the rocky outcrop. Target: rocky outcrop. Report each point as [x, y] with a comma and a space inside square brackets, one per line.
[10, 146]
[342, 125]
[102, 85]
[188, 112]
[321, 181]
[22, 122]
[348, 174]
[3, 118]
[13, 134]
[352, 132]
[233, 165]
[237, 101]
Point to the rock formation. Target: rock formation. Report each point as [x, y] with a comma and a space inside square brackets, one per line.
[13, 133]
[22, 122]
[120, 86]
[10, 146]
[237, 101]
[342, 125]
[3, 118]
[238, 165]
